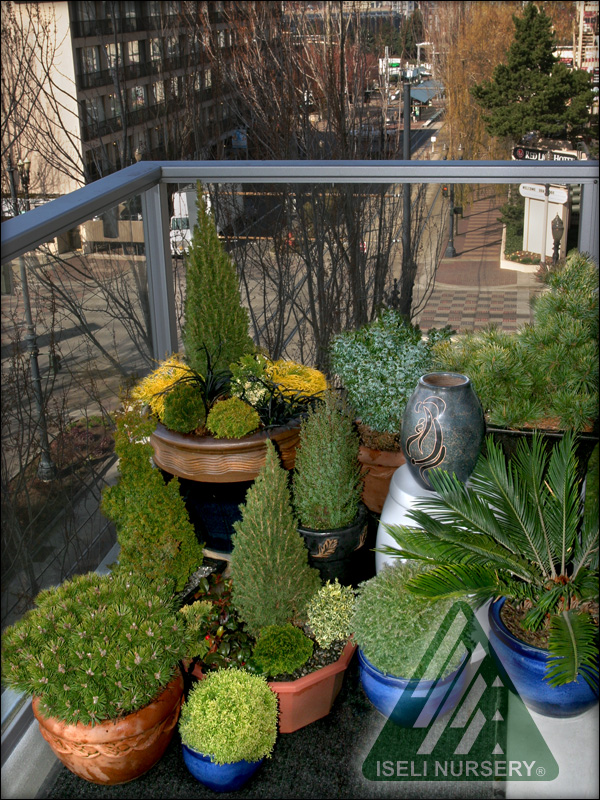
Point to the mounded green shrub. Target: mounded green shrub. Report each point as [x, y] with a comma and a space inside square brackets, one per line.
[231, 716]
[272, 581]
[281, 649]
[183, 408]
[330, 613]
[394, 628]
[232, 419]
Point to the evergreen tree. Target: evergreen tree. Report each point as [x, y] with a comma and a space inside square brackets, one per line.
[214, 316]
[272, 582]
[533, 90]
[154, 530]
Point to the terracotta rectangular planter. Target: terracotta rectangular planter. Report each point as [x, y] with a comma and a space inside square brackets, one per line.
[309, 698]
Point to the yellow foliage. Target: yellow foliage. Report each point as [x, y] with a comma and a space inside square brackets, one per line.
[294, 378]
[149, 389]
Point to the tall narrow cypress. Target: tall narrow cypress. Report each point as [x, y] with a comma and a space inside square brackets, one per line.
[215, 320]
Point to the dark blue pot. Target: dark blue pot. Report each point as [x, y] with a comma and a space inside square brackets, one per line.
[526, 667]
[219, 777]
[442, 427]
[403, 700]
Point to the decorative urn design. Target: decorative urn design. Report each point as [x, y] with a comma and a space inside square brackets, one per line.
[442, 427]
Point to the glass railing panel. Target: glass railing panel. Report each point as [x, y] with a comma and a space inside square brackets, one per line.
[75, 333]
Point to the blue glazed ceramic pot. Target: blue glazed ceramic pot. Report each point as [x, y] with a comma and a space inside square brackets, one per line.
[403, 700]
[219, 777]
[526, 667]
[442, 427]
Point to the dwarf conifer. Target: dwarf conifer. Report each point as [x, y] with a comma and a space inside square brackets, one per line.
[272, 582]
[216, 323]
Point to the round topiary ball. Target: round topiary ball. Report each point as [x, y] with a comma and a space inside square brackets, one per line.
[232, 419]
[281, 649]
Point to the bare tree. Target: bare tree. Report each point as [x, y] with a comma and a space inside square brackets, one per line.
[301, 85]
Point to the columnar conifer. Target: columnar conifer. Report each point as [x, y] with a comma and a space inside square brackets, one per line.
[214, 316]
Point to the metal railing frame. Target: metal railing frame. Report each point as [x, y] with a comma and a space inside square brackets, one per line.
[24, 233]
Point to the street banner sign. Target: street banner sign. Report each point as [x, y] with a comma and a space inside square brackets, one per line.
[556, 194]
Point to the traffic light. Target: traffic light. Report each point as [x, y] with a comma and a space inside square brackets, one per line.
[575, 197]
[444, 190]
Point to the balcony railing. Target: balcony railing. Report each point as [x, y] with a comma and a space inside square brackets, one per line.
[50, 252]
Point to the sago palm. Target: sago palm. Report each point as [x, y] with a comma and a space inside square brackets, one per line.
[517, 530]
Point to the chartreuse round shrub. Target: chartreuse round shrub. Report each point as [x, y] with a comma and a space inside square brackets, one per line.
[95, 648]
[230, 716]
[330, 613]
[281, 649]
[183, 408]
[232, 419]
[394, 628]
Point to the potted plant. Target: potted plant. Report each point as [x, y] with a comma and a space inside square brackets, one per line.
[154, 532]
[306, 665]
[518, 536]
[327, 489]
[273, 585]
[406, 656]
[545, 375]
[99, 655]
[379, 366]
[228, 726]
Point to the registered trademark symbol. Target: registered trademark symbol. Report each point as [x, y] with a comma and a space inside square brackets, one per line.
[540, 771]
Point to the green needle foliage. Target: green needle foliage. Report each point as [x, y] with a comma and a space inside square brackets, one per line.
[546, 374]
[95, 648]
[281, 649]
[518, 531]
[154, 531]
[272, 582]
[215, 320]
[534, 90]
[327, 482]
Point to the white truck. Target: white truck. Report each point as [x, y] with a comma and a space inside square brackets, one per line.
[229, 210]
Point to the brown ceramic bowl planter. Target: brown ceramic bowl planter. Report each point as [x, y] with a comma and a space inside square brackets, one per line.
[116, 751]
[204, 458]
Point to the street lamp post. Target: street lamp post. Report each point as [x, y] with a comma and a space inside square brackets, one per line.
[46, 469]
[558, 228]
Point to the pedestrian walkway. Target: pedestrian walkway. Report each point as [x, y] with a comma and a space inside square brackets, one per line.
[471, 290]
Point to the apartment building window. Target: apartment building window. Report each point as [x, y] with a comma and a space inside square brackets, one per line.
[171, 46]
[133, 52]
[155, 49]
[174, 83]
[113, 106]
[158, 91]
[90, 60]
[112, 55]
[208, 78]
[137, 97]
[86, 10]
[94, 110]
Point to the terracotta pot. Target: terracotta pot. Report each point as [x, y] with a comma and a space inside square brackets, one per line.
[310, 698]
[378, 468]
[116, 751]
[204, 458]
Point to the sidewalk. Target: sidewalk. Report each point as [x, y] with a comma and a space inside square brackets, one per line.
[471, 290]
